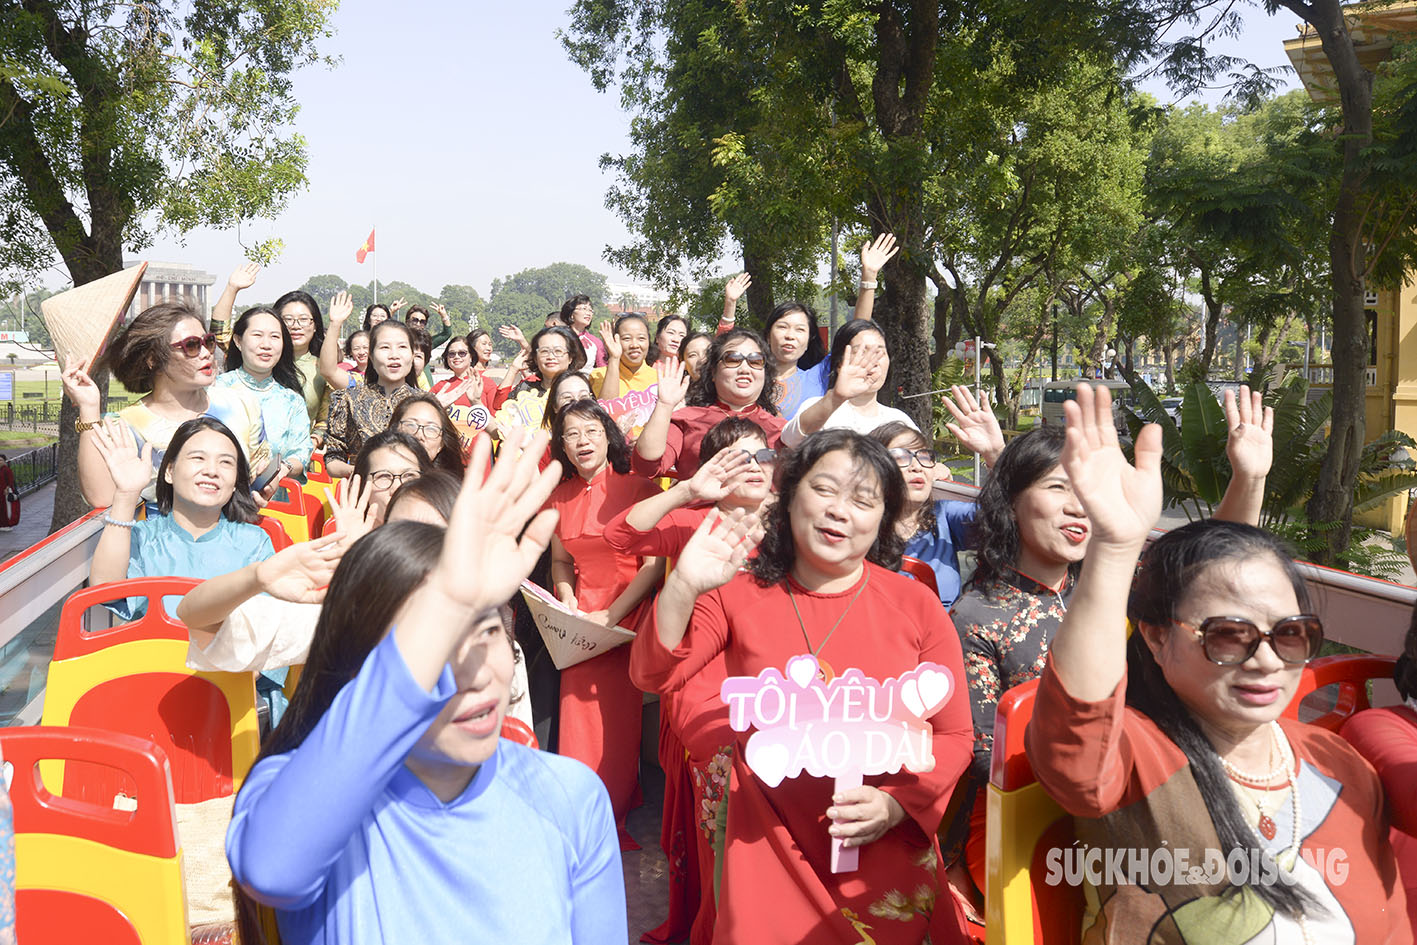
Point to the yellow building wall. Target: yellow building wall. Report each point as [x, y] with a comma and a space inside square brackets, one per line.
[1397, 372]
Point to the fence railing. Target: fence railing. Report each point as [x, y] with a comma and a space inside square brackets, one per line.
[35, 467]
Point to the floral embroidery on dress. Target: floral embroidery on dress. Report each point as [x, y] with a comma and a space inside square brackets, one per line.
[712, 782]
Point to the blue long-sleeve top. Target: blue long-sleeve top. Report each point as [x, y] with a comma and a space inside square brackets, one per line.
[282, 411]
[940, 548]
[350, 847]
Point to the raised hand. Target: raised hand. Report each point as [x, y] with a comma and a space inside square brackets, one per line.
[513, 333]
[301, 573]
[876, 254]
[351, 511]
[79, 387]
[716, 551]
[733, 290]
[975, 425]
[395, 305]
[613, 348]
[719, 476]
[130, 469]
[673, 382]
[244, 276]
[856, 376]
[442, 311]
[341, 306]
[498, 528]
[1250, 444]
[1122, 501]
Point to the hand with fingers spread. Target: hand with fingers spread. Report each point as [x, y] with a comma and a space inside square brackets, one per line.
[715, 552]
[442, 311]
[131, 468]
[498, 528]
[341, 305]
[715, 479]
[80, 389]
[613, 348]
[673, 382]
[513, 333]
[1122, 501]
[395, 305]
[243, 277]
[733, 289]
[351, 511]
[301, 573]
[1250, 444]
[862, 815]
[876, 254]
[975, 425]
[856, 375]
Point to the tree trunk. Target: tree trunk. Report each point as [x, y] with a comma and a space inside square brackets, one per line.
[1212, 326]
[1332, 500]
[903, 318]
[761, 291]
[1168, 353]
[944, 299]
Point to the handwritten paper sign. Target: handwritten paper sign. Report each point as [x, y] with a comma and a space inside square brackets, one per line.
[844, 729]
[569, 637]
[523, 410]
[632, 410]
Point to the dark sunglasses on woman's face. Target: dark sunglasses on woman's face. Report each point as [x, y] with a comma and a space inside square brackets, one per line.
[418, 321]
[761, 457]
[193, 346]
[903, 456]
[457, 353]
[1227, 641]
[734, 358]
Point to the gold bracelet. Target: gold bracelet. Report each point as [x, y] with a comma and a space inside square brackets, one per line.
[83, 426]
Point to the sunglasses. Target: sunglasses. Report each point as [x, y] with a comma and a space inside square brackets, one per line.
[457, 353]
[192, 347]
[1227, 641]
[418, 320]
[762, 457]
[734, 358]
[903, 457]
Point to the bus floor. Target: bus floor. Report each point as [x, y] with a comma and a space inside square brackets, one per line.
[646, 869]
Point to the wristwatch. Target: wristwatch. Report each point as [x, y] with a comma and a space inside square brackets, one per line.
[81, 426]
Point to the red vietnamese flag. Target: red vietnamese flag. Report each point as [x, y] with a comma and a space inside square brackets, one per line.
[366, 249]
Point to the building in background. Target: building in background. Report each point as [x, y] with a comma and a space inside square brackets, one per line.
[167, 280]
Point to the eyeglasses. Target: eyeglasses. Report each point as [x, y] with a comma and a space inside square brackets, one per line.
[551, 352]
[297, 321]
[427, 431]
[903, 457]
[384, 480]
[193, 346]
[761, 457]
[589, 433]
[734, 358]
[1231, 640]
[457, 353]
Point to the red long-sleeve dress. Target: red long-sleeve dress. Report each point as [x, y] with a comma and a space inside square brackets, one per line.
[777, 886]
[600, 706]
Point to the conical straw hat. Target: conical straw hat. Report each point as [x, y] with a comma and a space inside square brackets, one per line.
[569, 637]
[80, 319]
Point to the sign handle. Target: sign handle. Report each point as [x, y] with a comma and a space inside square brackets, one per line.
[845, 859]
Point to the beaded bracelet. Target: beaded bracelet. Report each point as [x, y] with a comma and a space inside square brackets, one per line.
[110, 520]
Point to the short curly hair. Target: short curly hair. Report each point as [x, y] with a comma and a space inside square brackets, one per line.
[143, 350]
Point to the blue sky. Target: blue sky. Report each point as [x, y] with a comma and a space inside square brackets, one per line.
[466, 135]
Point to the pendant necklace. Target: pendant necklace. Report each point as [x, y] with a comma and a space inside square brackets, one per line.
[824, 670]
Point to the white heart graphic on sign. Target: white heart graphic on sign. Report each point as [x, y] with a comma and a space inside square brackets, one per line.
[768, 762]
[910, 697]
[934, 689]
[802, 670]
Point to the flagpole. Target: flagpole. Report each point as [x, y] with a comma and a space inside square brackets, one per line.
[375, 254]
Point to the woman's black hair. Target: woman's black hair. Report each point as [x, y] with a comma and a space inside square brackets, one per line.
[725, 433]
[437, 487]
[369, 314]
[569, 307]
[815, 349]
[704, 392]
[471, 340]
[371, 375]
[1404, 674]
[450, 455]
[776, 552]
[925, 519]
[317, 339]
[617, 451]
[471, 353]
[551, 393]
[1026, 459]
[349, 343]
[384, 439]
[844, 334]
[574, 348]
[240, 507]
[1167, 572]
[654, 351]
[284, 370]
